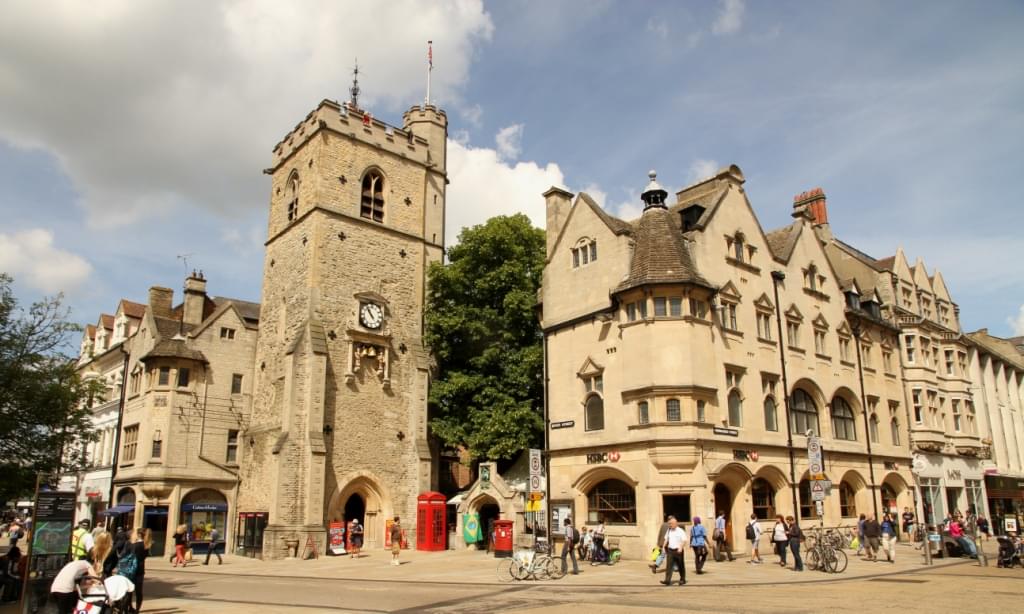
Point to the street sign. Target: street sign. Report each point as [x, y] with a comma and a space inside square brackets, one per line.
[535, 462]
[564, 424]
[819, 506]
[536, 496]
[816, 467]
[536, 483]
[817, 491]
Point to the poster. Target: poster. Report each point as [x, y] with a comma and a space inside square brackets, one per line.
[1011, 525]
[336, 537]
[471, 532]
[387, 536]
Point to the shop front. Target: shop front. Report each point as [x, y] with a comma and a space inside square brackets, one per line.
[1006, 503]
[950, 485]
[202, 511]
[122, 514]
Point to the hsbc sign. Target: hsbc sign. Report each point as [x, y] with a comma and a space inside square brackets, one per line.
[597, 458]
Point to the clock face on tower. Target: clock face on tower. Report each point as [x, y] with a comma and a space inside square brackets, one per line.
[371, 315]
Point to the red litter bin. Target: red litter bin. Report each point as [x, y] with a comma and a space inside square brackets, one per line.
[503, 539]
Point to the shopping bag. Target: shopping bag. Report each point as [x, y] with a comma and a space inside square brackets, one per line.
[655, 553]
[188, 554]
[854, 543]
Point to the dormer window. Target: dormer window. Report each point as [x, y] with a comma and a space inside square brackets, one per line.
[690, 216]
[584, 252]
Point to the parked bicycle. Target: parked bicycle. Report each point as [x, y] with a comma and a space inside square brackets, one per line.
[822, 554]
[530, 564]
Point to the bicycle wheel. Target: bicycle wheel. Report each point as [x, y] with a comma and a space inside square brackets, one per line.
[841, 561]
[812, 559]
[506, 571]
[553, 568]
[828, 560]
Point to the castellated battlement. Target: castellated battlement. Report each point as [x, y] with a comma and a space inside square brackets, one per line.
[362, 126]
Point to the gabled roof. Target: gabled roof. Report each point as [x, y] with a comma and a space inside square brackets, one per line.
[614, 224]
[1005, 349]
[106, 321]
[783, 240]
[885, 264]
[939, 287]
[921, 279]
[174, 348]
[246, 309]
[660, 253]
[132, 309]
[90, 331]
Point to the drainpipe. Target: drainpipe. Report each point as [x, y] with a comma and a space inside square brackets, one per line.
[120, 420]
[547, 456]
[777, 278]
[864, 411]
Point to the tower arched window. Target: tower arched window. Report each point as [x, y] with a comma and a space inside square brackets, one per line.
[804, 412]
[293, 196]
[371, 204]
[843, 425]
[771, 414]
[847, 500]
[594, 413]
[762, 496]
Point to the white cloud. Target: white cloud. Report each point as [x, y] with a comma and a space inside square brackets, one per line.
[702, 169]
[31, 258]
[150, 105]
[730, 18]
[509, 141]
[472, 114]
[483, 185]
[658, 27]
[1017, 323]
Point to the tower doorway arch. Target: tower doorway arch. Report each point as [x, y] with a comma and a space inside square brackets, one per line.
[362, 497]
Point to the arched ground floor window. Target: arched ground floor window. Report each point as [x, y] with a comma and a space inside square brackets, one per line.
[612, 500]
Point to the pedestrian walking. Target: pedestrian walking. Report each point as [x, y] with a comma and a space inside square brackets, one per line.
[661, 551]
[214, 540]
[81, 541]
[600, 553]
[860, 534]
[908, 522]
[721, 544]
[180, 544]
[569, 548]
[64, 589]
[754, 536]
[889, 537]
[983, 527]
[796, 538]
[699, 543]
[675, 541]
[584, 547]
[142, 541]
[396, 541]
[872, 536]
[780, 538]
[356, 538]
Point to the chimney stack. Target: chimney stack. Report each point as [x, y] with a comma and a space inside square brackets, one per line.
[558, 202]
[811, 204]
[160, 300]
[195, 298]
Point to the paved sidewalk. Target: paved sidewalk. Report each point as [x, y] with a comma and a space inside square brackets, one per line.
[468, 567]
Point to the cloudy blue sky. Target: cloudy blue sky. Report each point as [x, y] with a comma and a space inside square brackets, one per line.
[134, 131]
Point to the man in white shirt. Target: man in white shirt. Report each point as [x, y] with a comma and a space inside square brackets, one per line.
[674, 545]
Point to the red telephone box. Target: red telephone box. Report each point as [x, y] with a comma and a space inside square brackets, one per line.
[431, 521]
[503, 538]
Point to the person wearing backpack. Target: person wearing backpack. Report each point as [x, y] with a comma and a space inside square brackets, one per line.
[132, 564]
[754, 536]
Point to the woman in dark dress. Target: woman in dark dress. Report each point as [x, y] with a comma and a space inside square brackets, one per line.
[140, 546]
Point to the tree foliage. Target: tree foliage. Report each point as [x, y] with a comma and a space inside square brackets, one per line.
[43, 410]
[482, 327]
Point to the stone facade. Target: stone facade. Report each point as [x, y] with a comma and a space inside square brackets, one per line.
[665, 379]
[188, 398]
[341, 377]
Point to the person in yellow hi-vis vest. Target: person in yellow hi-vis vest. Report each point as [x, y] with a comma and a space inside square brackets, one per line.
[81, 541]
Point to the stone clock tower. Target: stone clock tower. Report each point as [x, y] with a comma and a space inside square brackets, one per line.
[339, 407]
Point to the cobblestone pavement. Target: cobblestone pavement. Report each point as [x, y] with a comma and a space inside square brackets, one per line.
[466, 582]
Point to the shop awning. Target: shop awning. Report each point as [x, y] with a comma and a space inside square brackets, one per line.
[204, 507]
[118, 509]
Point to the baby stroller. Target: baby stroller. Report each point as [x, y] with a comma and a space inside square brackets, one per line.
[1008, 556]
[110, 596]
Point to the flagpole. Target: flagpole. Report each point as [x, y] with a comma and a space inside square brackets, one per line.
[430, 67]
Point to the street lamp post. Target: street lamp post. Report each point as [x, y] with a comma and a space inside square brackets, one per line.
[777, 278]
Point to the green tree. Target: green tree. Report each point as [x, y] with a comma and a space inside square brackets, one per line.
[482, 326]
[43, 402]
